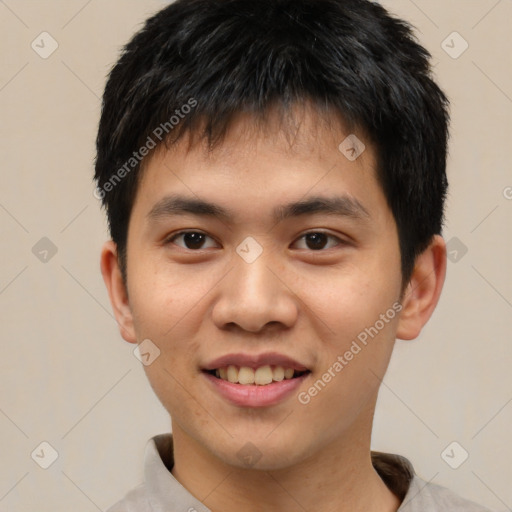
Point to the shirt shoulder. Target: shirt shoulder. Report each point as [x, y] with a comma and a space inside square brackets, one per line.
[423, 496]
[416, 494]
[134, 501]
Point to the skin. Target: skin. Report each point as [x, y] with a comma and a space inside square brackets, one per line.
[306, 303]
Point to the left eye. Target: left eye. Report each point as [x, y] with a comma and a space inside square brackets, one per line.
[318, 240]
[192, 240]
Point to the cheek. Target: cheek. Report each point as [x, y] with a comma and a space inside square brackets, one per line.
[167, 309]
[345, 301]
[359, 313]
[351, 370]
[161, 296]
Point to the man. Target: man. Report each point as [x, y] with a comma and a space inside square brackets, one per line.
[274, 178]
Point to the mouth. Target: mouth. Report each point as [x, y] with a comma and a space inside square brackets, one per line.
[258, 376]
[255, 380]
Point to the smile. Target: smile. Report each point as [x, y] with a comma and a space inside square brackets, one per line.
[252, 394]
[261, 376]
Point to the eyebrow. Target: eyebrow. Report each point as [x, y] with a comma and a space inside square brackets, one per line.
[343, 206]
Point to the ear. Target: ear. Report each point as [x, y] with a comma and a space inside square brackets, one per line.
[424, 289]
[117, 292]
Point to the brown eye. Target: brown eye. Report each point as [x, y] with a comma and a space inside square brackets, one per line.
[192, 240]
[316, 241]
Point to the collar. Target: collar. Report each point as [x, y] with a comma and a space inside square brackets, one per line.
[166, 493]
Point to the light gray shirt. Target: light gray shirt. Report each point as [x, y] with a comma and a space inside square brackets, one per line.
[161, 492]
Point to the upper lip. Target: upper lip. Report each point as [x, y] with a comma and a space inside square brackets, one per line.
[255, 361]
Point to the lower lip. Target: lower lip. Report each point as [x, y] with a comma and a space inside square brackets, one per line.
[251, 395]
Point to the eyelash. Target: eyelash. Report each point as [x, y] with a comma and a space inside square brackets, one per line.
[328, 235]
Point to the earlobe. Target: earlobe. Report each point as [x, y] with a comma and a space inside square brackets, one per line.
[117, 291]
[424, 289]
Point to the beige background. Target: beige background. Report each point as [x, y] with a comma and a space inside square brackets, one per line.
[67, 377]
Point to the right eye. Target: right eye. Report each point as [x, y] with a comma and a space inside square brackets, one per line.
[192, 240]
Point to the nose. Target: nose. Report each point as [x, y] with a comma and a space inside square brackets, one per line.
[254, 297]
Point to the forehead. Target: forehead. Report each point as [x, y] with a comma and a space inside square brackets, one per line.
[262, 161]
[302, 129]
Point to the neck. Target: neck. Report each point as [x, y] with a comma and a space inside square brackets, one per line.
[338, 477]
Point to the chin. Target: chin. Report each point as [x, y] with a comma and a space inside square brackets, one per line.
[259, 452]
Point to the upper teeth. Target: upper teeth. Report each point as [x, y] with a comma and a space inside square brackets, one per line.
[260, 376]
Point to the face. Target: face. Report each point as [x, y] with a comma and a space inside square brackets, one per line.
[265, 253]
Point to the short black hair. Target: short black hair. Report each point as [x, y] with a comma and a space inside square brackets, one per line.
[196, 64]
